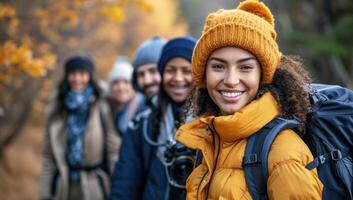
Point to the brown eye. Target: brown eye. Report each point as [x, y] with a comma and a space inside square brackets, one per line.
[217, 66]
[139, 74]
[187, 71]
[153, 70]
[246, 67]
[169, 70]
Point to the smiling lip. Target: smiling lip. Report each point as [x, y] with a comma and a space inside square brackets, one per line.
[231, 96]
[178, 89]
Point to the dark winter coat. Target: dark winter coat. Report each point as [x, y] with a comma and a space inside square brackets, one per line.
[139, 174]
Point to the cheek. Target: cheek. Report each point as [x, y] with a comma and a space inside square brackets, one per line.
[129, 87]
[140, 81]
[210, 86]
[212, 79]
[86, 79]
[156, 77]
[189, 78]
[167, 78]
[70, 78]
[254, 82]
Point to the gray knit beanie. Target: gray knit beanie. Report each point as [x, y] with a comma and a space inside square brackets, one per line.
[147, 53]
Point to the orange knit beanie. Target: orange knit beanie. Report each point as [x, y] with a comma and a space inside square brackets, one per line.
[250, 26]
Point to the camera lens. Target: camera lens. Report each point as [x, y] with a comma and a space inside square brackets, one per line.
[181, 168]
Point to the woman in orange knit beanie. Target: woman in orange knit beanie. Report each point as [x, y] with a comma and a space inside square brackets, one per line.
[243, 82]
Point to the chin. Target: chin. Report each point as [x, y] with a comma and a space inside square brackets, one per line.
[178, 100]
[230, 111]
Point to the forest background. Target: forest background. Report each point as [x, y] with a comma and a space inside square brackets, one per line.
[37, 36]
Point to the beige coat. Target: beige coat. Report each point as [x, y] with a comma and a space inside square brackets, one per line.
[54, 155]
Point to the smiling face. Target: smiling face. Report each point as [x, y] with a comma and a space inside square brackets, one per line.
[177, 79]
[122, 91]
[78, 79]
[232, 78]
[148, 79]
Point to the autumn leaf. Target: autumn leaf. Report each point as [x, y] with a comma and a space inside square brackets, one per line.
[7, 11]
[144, 6]
[114, 13]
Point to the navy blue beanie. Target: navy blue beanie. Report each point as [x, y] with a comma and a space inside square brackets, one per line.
[177, 47]
[79, 62]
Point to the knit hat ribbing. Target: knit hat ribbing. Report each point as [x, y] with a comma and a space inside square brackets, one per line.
[250, 26]
[122, 69]
[149, 52]
[177, 47]
[79, 61]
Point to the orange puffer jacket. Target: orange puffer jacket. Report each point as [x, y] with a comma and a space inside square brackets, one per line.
[222, 141]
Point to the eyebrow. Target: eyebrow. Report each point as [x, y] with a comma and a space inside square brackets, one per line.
[238, 61]
[173, 66]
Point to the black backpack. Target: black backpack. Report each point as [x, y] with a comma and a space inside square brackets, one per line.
[329, 136]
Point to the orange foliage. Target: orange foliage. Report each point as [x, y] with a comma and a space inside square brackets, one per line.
[16, 58]
[49, 31]
[114, 13]
[35, 43]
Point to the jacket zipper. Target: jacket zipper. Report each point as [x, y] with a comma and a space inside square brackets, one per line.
[215, 165]
[198, 187]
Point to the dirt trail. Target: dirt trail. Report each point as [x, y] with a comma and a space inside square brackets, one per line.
[20, 167]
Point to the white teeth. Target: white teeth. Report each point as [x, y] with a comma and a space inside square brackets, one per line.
[231, 94]
[179, 86]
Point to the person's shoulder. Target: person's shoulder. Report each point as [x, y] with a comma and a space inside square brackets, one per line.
[143, 114]
[138, 119]
[287, 147]
[102, 104]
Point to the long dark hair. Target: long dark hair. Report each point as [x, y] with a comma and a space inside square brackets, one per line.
[289, 87]
[64, 87]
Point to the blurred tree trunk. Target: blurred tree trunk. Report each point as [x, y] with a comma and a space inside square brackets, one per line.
[65, 27]
[314, 18]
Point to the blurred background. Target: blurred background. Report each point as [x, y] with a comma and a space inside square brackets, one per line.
[38, 35]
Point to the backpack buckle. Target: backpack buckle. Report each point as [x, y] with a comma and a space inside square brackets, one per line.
[336, 154]
[250, 159]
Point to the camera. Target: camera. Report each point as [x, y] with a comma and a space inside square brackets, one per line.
[179, 162]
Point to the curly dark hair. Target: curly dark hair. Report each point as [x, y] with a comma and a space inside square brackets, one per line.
[289, 87]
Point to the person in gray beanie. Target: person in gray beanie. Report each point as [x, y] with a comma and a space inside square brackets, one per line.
[146, 78]
[152, 165]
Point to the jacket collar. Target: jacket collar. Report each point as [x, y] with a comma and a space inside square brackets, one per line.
[230, 128]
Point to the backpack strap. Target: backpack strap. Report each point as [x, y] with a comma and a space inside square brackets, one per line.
[256, 155]
[333, 155]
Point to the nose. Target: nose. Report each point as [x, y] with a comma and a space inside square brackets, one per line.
[120, 86]
[231, 77]
[148, 79]
[179, 76]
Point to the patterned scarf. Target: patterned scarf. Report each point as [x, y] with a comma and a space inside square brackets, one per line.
[78, 104]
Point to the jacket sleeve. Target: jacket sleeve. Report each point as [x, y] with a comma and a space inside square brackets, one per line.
[113, 140]
[48, 167]
[289, 178]
[128, 178]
